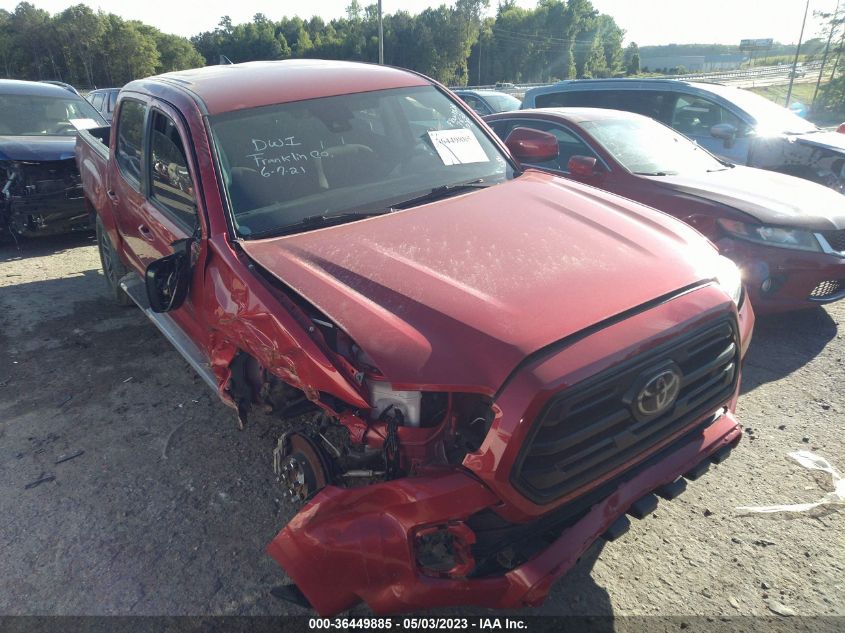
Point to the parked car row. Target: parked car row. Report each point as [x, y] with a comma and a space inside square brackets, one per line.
[480, 366]
[735, 124]
[786, 234]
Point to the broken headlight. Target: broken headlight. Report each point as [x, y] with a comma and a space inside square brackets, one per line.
[772, 235]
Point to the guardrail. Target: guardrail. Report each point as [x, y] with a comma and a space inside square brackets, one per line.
[741, 78]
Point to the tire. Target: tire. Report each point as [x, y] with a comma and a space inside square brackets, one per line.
[113, 268]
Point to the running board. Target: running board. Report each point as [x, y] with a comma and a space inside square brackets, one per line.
[134, 287]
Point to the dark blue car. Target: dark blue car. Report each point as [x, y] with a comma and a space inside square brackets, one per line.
[40, 189]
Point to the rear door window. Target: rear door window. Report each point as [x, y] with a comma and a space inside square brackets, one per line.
[476, 104]
[97, 101]
[650, 103]
[130, 134]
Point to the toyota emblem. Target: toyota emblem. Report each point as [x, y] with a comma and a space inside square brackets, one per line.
[659, 393]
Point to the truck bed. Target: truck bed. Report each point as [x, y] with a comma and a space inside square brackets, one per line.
[92, 159]
[97, 138]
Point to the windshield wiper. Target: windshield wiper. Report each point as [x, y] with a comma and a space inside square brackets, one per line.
[651, 173]
[443, 191]
[315, 222]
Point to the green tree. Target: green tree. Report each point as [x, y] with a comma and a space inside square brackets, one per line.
[80, 32]
[126, 52]
[31, 40]
[6, 42]
[632, 59]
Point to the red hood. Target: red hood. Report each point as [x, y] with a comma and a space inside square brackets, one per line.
[454, 294]
[767, 196]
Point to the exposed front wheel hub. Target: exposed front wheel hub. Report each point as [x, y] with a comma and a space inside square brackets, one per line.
[301, 467]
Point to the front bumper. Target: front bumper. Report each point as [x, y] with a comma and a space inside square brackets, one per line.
[352, 545]
[47, 214]
[791, 275]
[356, 545]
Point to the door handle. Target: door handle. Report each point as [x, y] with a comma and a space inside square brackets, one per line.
[111, 195]
[146, 233]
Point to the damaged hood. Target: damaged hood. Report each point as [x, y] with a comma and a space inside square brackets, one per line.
[37, 148]
[767, 196]
[825, 140]
[455, 293]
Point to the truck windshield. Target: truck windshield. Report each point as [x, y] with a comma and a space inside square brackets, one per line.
[31, 115]
[348, 155]
[646, 147]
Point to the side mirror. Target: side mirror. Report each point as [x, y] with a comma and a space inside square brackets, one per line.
[167, 279]
[724, 131]
[583, 166]
[531, 146]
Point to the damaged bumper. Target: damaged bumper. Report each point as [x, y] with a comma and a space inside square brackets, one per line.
[41, 198]
[356, 545]
[484, 534]
[779, 280]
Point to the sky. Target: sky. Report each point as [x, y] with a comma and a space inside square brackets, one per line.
[645, 21]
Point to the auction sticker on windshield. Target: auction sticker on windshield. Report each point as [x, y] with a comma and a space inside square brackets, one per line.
[457, 147]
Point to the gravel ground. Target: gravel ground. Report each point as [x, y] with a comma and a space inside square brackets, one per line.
[162, 507]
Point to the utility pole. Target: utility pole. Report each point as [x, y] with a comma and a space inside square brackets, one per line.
[833, 20]
[381, 35]
[479, 61]
[797, 50]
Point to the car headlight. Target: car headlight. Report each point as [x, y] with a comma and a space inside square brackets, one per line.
[729, 278]
[772, 235]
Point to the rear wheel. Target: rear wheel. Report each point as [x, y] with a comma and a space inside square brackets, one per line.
[113, 268]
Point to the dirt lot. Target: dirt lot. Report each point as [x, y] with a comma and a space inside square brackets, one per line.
[169, 507]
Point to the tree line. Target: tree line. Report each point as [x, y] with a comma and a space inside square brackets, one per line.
[456, 45]
[86, 48]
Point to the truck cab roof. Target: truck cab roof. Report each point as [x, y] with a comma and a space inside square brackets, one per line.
[225, 88]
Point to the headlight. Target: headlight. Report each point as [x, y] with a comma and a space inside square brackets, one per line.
[729, 278]
[772, 235]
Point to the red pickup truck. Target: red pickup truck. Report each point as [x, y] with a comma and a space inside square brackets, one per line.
[481, 369]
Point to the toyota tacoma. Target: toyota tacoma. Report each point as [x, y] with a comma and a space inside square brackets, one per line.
[478, 369]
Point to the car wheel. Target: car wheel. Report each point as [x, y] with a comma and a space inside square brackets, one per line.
[113, 268]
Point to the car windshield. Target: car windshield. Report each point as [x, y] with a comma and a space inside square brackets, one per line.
[502, 102]
[30, 115]
[644, 146]
[770, 117]
[351, 154]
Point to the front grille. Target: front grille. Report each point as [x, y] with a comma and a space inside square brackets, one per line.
[519, 542]
[591, 429]
[828, 289]
[836, 239]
